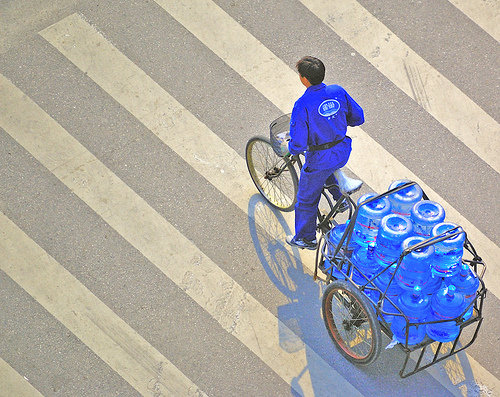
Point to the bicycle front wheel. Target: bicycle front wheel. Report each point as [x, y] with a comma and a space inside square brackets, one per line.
[351, 322]
[274, 176]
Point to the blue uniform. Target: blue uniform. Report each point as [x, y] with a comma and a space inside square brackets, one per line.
[320, 116]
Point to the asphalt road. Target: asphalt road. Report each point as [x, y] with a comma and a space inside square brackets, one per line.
[138, 257]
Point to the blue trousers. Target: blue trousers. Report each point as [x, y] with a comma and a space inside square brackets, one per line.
[310, 185]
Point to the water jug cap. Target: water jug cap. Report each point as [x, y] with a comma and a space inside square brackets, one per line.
[448, 302]
[371, 250]
[466, 281]
[464, 270]
[365, 197]
[414, 302]
[417, 290]
[409, 194]
[380, 206]
[420, 253]
[428, 212]
[444, 227]
[397, 224]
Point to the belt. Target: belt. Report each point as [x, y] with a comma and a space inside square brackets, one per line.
[324, 146]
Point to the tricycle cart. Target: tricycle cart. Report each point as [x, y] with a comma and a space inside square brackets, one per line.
[355, 319]
[353, 311]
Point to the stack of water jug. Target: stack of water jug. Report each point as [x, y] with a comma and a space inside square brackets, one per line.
[431, 283]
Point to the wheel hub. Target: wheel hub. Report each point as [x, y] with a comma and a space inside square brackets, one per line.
[347, 324]
[270, 174]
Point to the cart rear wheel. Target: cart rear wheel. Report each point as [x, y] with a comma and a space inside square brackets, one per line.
[276, 179]
[351, 322]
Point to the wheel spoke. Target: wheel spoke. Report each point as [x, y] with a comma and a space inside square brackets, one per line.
[279, 190]
[351, 323]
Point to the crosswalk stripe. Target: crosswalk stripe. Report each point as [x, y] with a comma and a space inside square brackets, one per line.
[131, 356]
[202, 18]
[237, 312]
[203, 150]
[153, 106]
[99, 66]
[209, 155]
[13, 384]
[413, 75]
[483, 12]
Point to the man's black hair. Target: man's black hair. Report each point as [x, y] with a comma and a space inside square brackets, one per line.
[312, 69]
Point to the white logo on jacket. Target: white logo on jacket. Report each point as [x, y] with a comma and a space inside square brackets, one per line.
[329, 107]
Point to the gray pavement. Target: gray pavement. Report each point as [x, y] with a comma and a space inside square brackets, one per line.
[53, 359]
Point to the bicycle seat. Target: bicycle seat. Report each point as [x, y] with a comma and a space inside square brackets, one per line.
[347, 185]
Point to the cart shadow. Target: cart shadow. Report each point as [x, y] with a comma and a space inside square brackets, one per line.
[301, 326]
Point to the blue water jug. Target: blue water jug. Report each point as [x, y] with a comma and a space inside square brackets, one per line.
[434, 284]
[467, 283]
[334, 237]
[369, 218]
[336, 273]
[425, 215]
[393, 230]
[403, 201]
[364, 260]
[393, 292]
[415, 268]
[449, 252]
[446, 304]
[416, 305]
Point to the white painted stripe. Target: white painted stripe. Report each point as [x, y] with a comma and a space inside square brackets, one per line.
[106, 334]
[13, 384]
[170, 121]
[163, 115]
[485, 13]
[413, 75]
[202, 18]
[225, 300]
[146, 100]
[490, 384]
[458, 372]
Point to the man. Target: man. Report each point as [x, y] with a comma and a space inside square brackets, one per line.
[318, 127]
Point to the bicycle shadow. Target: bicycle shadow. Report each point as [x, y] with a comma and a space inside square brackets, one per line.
[302, 327]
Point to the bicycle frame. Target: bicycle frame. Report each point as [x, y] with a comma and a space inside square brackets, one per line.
[324, 221]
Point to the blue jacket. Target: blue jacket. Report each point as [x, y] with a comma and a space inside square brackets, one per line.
[319, 116]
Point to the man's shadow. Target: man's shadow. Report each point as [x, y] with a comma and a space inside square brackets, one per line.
[304, 327]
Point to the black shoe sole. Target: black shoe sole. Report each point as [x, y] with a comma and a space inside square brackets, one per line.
[353, 191]
[299, 247]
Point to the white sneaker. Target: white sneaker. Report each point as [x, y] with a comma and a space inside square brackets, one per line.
[302, 243]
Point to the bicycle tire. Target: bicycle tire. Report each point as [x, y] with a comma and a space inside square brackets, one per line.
[279, 189]
[354, 328]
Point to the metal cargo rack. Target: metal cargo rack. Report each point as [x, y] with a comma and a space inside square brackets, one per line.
[357, 299]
